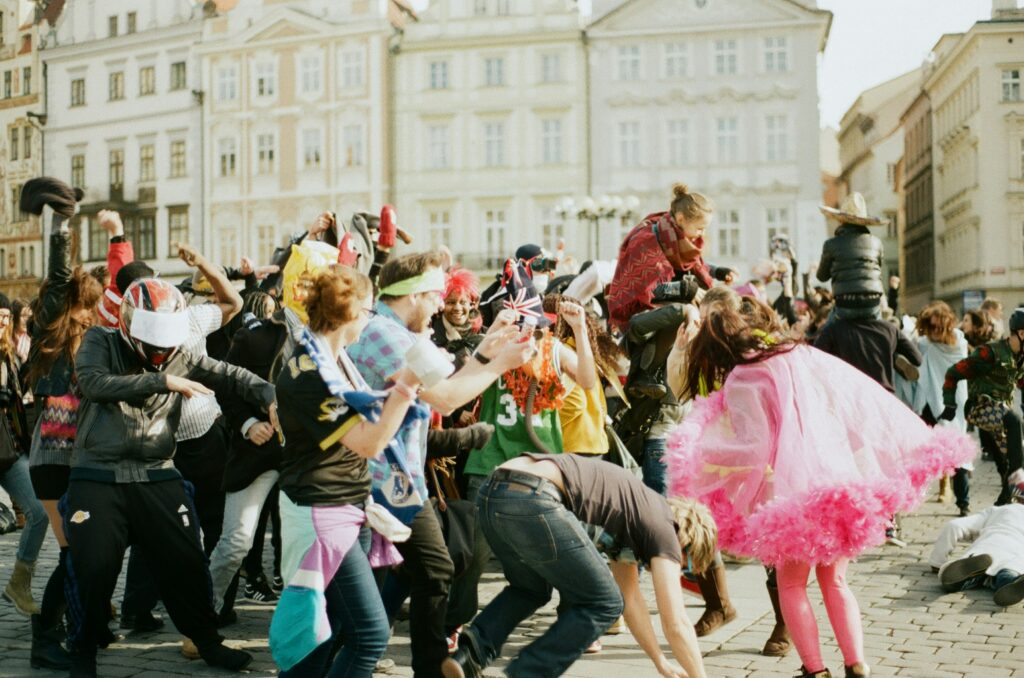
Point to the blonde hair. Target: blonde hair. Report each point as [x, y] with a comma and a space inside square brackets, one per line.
[697, 531]
[692, 205]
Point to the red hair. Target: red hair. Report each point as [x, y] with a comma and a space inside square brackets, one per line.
[462, 281]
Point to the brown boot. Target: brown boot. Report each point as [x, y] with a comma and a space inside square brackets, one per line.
[778, 644]
[718, 611]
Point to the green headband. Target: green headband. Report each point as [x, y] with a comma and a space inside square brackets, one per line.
[431, 280]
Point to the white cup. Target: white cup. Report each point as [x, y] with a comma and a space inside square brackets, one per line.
[428, 363]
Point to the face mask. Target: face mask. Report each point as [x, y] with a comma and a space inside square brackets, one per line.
[540, 283]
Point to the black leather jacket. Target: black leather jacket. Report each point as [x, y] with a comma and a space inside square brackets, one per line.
[853, 260]
[127, 418]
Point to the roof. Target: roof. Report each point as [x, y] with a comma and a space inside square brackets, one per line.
[875, 98]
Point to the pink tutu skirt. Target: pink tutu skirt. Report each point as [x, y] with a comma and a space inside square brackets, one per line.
[803, 458]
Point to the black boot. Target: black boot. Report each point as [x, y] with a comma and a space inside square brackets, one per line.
[225, 657]
[47, 650]
[83, 665]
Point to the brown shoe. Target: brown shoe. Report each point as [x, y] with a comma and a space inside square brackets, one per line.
[189, 649]
[858, 670]
[718, 611]
[779, 643]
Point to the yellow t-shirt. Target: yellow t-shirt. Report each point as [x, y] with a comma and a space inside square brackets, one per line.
[583, 416]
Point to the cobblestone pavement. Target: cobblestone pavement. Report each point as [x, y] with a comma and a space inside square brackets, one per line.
[911, 627]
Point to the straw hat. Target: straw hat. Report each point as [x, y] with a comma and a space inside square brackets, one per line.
[853, 211]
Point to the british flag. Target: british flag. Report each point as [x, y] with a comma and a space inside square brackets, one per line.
[525, 303]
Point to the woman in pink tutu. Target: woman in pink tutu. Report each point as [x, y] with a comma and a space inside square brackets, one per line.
[801, 459]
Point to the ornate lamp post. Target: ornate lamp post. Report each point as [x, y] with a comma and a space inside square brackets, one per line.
[594, 210]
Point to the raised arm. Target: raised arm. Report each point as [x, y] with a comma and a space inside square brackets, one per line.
[225, 294]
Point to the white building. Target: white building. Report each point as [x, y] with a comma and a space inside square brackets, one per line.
[977, 103]
[21, 118]
[296, 116]
[870, 147]
[490, 124]
[123, 121]
[720, 95]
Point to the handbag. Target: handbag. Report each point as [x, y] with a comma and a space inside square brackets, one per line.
[9, 449]
[458, 524]
[619, 454]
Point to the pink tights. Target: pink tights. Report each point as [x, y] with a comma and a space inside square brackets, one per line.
[843, 612]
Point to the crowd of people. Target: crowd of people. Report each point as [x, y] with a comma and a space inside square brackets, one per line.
[394, 427]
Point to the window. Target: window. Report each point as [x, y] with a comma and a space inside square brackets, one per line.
[439, 146]
[1011, 85]
[26, 80]
[310, 68]
[147, 80]
[776, 138]
[352, 138]
[266, 241]
[678, 147]
[147, 163]
[494, 144]
[227, 238]
[26, 142]
[727, 233]
[116, 81]
[265, 153]
[352, 69]
[266, 80]
[311, 148]
[78, 92]
[131, 23]
[78, 170]
[725, 57]
[890, 174]
[177, 226]
[494, 72]
[112, 27]
[8, 85]
[1, 28]
[141, 231]
[629, 144]
[727, 139]
[677, 60]
[227, 153]
[629, 62]
[777, 220]
[438, 75]
[16, 213]
[776, 58]
[1021, 142]
[553, 230]
[551, 68]
[503, 7]
[227, 83]
[178, 163]
[440, 229]
[551, 141]
[13, 152]
[479, 7]
[115, 165]
[178, 78]
[494, 229]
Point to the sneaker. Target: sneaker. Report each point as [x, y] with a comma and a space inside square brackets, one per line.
[618, 627]
[965, 511]
[277, 585]
[385, 666]
[1011, 594]
[954, 573]
[259, 592]
[594, 647]
[188, 649]
[892, 539]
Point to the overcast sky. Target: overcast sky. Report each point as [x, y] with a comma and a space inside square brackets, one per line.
[875, 40]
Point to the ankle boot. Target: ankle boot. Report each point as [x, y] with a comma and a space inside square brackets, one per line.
[858, 670]
[19, 588]
[824, 673]
[718, 611]
[47, 651]
[778, 644]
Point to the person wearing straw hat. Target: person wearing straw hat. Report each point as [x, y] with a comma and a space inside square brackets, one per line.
[853, 260]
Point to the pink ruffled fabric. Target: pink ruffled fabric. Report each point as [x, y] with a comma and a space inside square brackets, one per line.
[804, 458]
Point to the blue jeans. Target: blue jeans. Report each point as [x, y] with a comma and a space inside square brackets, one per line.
[357, 618]
[1002, 578]
[542, 546]
[655, 470]
[18, 484]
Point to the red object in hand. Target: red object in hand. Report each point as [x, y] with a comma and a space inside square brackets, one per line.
[388, 227]
[347, 255]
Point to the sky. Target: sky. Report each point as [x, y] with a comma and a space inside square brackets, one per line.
[872, 41]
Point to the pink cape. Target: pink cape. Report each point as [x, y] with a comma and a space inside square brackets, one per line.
[804, 458]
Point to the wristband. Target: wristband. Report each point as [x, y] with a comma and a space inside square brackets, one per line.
[481, 358]
[117, 239]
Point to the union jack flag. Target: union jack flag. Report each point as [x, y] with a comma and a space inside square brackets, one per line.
[525, 302]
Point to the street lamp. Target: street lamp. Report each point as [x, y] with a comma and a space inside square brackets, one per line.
[594, 210]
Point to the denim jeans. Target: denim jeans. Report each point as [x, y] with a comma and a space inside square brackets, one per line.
[654, 468]
[18, 485]
[1002, 578]
[542, 546]
[242, 511]
[357, 619]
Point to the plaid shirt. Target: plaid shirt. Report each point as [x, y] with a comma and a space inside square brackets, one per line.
[379, 355]
[199, 412]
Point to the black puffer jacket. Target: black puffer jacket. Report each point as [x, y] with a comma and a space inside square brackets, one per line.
[853, 261]
[127, 418]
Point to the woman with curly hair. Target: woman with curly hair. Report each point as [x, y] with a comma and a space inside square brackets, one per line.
[782, 457]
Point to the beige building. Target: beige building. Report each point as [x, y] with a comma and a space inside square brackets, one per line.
[295, 117]
[870, 147]
[491, 126]
[21, 148]
[975, 90]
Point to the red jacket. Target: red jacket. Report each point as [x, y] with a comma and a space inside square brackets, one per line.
[118, 254]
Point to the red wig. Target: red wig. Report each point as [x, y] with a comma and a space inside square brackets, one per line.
[462, 281]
